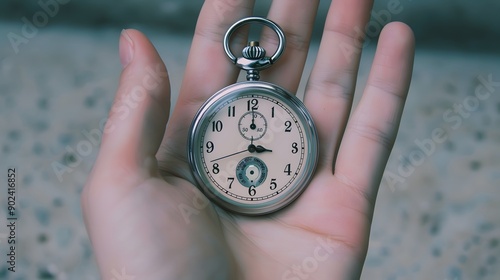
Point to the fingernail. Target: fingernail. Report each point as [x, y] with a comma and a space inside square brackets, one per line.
[126, 48]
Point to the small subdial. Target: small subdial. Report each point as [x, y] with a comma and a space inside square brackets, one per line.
[252, 125]
[251, 171]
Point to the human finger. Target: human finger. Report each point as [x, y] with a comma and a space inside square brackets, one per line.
[140, 111]
[207, 55]
[372, 129]
[331, 86]
[296, 18]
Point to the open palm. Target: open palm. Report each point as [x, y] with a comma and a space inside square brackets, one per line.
[147, 220]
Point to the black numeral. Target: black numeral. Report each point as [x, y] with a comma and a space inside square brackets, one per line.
[295, 148]
[230, 180]
[253, 104]
[288, 126]
[273, 184]
[288, 169]
[210, 146]
[231, 111]
[252, 191]
[217, 126]
[215, 168]
[272, 112]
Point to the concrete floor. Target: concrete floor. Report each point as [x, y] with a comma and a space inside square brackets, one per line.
[437, 210]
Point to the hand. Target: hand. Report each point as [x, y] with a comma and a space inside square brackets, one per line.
[251, 149]
[259, 149]
[146, 218]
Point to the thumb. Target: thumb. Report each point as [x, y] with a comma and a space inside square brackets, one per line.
[140, 111]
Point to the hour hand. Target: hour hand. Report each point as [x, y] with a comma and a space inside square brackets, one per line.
[257, 149]
[260, 149]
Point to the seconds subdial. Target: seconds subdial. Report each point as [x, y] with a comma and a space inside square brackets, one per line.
[252, 125]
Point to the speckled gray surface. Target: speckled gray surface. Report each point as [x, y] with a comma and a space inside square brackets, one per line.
[433, 21]
[437, 211]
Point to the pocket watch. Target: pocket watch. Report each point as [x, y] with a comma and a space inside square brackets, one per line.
[253, 146]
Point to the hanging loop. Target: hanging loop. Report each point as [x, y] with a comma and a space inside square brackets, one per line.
[254, 58]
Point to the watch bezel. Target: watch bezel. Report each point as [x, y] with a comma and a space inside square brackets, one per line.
[194, 154]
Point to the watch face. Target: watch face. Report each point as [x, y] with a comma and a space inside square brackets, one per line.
[253, 148]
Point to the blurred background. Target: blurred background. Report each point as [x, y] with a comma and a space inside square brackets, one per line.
[437, 210]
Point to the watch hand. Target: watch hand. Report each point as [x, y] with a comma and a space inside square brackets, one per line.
[253, 126]
[259, 149]
[251, 148]
[247, 150]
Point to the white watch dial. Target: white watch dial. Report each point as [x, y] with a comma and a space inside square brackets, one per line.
[253, 148]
